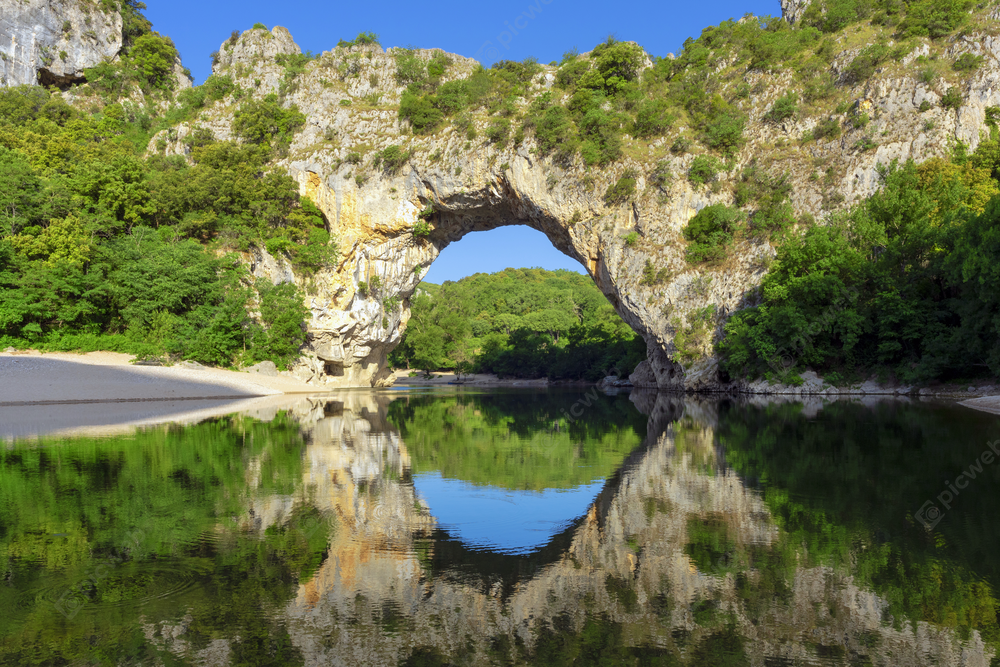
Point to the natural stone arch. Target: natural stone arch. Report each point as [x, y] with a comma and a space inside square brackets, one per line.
[353, 332]
[472, 185]
[350, 97]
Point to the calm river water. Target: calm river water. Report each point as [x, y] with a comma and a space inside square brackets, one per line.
[434, 527]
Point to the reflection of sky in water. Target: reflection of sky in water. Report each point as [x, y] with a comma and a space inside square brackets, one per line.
[486, 517]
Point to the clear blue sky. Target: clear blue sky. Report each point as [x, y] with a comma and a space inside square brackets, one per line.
[487, 31]
[513, 522]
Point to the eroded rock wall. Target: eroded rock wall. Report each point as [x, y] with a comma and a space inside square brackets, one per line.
[53, 41]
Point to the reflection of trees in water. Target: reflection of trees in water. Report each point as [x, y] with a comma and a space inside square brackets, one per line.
[517, 440]
[303, 541]
[875, 465]
[137, 539]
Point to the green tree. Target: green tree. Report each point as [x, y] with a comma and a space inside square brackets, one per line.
[930, 18]
[265, 122]
[152, 58]
[283, 314]
[616, 64]
[519, 322]
[710, 232]
[20, 193]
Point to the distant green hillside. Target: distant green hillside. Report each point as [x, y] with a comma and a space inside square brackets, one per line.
[519, 323]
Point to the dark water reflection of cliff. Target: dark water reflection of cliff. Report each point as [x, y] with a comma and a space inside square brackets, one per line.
[438, 528]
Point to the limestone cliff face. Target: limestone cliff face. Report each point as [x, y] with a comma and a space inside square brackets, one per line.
[52, 41]
[360, 307]
[793, 10]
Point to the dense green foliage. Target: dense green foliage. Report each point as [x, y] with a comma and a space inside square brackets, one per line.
[611, 73]
[711, 231]
[905, 284]
[134, 24]
[266, 122]
[101, 247]
[924, 18]
[149, 65]
[519, 323]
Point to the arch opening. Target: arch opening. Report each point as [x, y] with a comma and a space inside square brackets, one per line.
[546, 319]
[509, 246]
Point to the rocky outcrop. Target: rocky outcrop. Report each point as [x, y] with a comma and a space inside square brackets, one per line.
[792, 10]
[643, 377]
[458, 182]
[257, 49]
[52, 41]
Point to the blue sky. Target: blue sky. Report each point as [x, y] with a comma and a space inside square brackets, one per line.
[487, 31]
[512, 522]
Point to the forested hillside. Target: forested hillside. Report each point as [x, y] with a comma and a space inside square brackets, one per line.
[519, 323]
[905, 286]
[105, 247]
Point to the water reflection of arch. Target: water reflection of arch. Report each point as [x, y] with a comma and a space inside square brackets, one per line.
[497, 573]
[352, 439]
[614, 545]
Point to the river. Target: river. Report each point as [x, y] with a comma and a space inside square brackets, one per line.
[507, 527]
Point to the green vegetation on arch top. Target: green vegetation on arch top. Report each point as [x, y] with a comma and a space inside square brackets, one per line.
[600, 97]
[518, 323]
[514, 441]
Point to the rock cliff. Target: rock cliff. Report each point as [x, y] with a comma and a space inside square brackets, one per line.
[52, 41]
[457, 184]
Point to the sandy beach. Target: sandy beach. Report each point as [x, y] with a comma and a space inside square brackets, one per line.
[986, 404]
[99, 392]
[33, 378]
[63, 392]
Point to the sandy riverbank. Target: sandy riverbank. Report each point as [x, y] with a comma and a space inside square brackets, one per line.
[986, 404]
[106, 377]
[62, 393]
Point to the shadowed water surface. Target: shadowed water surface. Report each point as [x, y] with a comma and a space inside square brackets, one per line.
[464, 528]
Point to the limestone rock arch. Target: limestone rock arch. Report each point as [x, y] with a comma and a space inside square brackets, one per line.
[353, 331]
